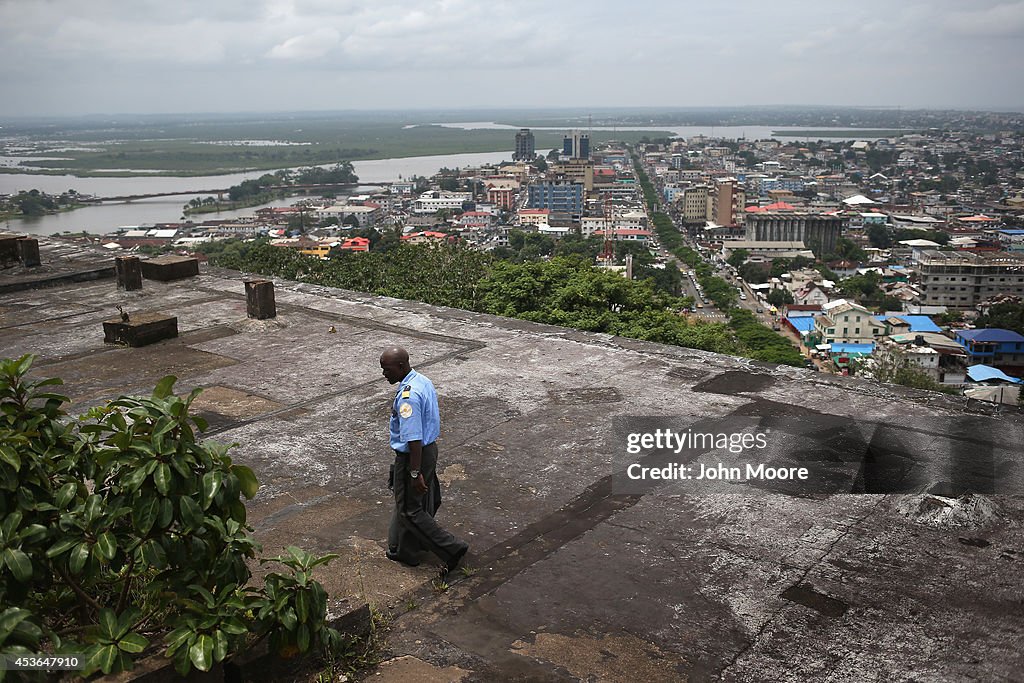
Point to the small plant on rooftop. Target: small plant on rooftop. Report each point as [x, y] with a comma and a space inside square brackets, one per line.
[122, 533]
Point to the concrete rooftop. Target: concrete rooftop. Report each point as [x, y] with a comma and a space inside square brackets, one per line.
[574, 580]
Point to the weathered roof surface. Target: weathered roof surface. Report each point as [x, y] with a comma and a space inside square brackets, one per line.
[574, 579]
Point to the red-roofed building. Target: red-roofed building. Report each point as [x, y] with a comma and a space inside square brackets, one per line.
[355, 244]
[425, 236]
[534, 216]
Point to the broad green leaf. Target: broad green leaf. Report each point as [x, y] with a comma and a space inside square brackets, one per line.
[106, 545]
[61, 547]
[220, 646]
[201, 653]
[154, 555]
[206, 595]
[176, 639]
[211, 484]
[95, 658]
[163, 390]
[182, 664]
[166, 515]
[78, 557]
[301, 557]
[234, 627]
[144, 515]
[107, 658]
[9, 620]
[201, 422]
[24, 363]
[324, 559]
[302, 605]
[162, 426]
[191, 513]
[133, 643]
[108, 623]
[302, 638]
[246, 479]
[10, 524]
[65, 495]
[162, 478]
[93, 508]
[11, 457]
[19, 563]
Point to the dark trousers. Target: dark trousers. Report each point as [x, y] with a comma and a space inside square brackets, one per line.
[412, 525]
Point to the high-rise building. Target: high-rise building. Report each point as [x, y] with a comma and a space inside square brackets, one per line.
[525, 146]
[576, 145]
[560, 196]
[726, 200]
[962, 279]
[817, 231]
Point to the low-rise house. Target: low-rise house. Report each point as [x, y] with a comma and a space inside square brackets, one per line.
[997, 347]
[359, 244]
[849, 323]
[534, 216]
[425, 236]
[811, 294]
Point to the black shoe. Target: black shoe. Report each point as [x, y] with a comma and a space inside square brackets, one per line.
[456, 558]
[394, 557]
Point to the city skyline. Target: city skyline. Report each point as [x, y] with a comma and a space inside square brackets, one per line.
[112, 56]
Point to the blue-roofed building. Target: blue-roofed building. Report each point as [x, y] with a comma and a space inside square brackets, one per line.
[803, 324]
[842, 353]
[987, 373]
[997, 347]
[901, 323]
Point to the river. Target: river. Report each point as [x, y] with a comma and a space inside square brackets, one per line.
[728, 132]
[105, 218]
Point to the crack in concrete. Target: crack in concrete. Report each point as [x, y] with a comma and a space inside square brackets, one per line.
[767, 622]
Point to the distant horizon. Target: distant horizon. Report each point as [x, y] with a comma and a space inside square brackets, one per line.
[576, 111]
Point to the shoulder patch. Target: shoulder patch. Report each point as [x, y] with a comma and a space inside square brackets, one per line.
[405, 410]
[406, 392]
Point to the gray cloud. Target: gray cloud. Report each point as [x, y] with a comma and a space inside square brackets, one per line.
[66, 56]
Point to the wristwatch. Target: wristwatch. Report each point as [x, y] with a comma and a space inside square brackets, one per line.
[415, 474]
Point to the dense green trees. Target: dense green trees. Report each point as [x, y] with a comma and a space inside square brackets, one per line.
[1008, 315]
[121, 528]
[879, 236]
[780, 297]
[761, 343]
[36, 203]
[738, 258]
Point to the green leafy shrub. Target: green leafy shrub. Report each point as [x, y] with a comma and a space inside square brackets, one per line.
[122, 533]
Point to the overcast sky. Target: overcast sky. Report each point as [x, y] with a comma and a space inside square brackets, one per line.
[153, 56]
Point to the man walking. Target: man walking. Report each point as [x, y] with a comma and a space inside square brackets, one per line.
[415, 425]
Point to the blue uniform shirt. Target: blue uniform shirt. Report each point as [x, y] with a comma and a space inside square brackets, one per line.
[414, 413]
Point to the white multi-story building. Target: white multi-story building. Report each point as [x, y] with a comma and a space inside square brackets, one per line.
[847, 323]
[432, 202]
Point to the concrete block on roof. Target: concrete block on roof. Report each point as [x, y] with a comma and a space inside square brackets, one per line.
[170, 267]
